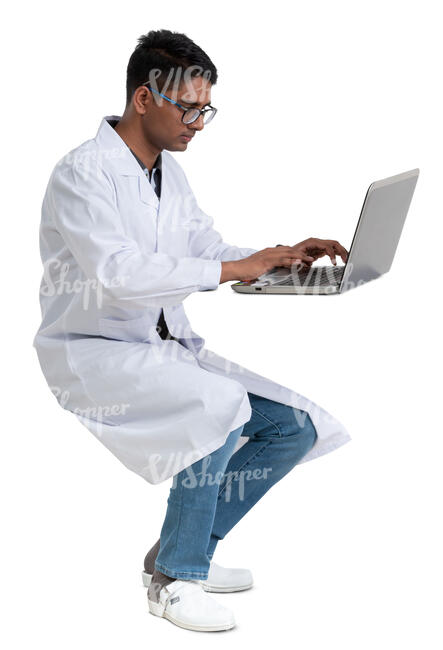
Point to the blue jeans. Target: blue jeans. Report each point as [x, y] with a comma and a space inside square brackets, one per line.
[210, 496]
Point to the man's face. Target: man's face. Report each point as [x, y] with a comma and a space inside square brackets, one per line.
[162, 121]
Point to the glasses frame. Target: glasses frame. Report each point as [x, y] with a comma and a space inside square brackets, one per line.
[201, 111]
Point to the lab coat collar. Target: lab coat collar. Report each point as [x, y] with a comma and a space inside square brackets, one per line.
[114, 147]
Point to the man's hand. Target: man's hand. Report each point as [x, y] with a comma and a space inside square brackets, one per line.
[316, 248]
[250, 268]
[304, 253]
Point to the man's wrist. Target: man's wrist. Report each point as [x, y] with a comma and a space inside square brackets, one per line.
[229, 271]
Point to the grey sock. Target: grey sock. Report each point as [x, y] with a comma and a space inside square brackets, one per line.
[158, 581]
[150, 557]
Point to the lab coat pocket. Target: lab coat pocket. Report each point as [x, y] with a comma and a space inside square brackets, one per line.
[141, 329]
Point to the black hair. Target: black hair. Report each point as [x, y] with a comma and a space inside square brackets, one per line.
[168, 54]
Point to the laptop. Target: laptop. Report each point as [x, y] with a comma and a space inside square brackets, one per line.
[372, 250]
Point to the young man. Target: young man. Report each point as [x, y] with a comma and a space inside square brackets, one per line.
[123, 243]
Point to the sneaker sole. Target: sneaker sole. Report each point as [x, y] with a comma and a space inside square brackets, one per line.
[156, 610]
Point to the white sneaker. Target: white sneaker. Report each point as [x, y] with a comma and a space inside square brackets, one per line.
[220, 579]
[185, 603]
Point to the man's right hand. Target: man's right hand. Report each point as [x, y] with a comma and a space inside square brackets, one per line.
[250, 268]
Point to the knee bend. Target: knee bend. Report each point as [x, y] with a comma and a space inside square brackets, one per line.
[305, 431]
[310, 433]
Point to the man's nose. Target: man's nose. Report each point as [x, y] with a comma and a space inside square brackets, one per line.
[198, 124]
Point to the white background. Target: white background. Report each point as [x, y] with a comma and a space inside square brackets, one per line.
[316, 100]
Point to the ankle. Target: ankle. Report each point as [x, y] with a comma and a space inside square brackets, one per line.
[149, 562]
[159, 580]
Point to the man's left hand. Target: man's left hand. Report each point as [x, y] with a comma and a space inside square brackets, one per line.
[316, 248]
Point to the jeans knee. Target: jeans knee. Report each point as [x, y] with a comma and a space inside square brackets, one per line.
[309, 433]
[305, 433]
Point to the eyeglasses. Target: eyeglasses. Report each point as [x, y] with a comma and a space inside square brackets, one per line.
[190, 114]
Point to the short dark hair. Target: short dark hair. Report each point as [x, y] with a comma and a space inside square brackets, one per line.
[166, 52]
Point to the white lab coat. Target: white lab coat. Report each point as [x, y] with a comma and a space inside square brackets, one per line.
[113, 256]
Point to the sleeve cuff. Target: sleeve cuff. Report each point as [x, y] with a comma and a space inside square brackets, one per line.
[211, 275]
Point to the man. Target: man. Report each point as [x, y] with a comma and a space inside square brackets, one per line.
[123, 243]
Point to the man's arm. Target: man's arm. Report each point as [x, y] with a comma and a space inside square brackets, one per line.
[84, 213]
[206, 242]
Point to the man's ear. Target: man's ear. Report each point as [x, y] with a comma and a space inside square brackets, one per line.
[141, 100]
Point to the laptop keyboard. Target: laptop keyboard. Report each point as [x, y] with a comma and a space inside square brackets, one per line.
[313, 277]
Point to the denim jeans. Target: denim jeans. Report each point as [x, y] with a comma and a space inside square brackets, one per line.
[208, 498]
